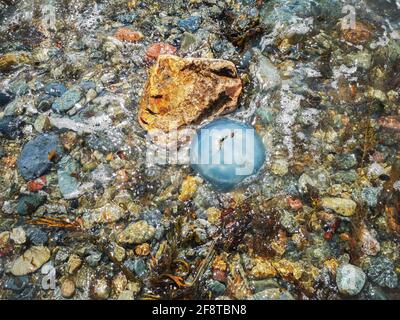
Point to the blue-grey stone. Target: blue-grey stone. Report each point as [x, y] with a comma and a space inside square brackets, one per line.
[10, 127]
[345, 176]
[67, 100]
[137, 266]
[19, 88]
[191, 24]
[381, 271]
[87, 84]
[67, 181]
[370, 196]
[34, 159]
[55, 89]
[346, 161]
[225, 152]
[93, 258]
[106, 142]
[16, 283]
[5, 99]
[36, 235]
[216, 287]
[29, 203]
[126, 18]
[350, 279]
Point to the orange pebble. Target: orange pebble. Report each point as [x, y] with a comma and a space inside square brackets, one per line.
[159, 48]
[126, 34]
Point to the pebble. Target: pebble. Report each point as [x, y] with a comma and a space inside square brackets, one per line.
[229, 140]
[18, 235]
[369, 244]
[346, 161]
[345, 176]
[5, 98]
[42, 123]
[370, 196]
[36, 235]
[68, 288]
[137, 266]
[350, 279]
[30, 261]
[67, 100]
[38, 154]
[106, 214]
[55, 89]
[74, 263]
[93, 258]
[119, 253]
[344, 207]
[216, 287]
[28, 204]
[67, 181]
[191, 24]
[137, 232]
[16, 283]
[126, 34]
[10, 127]
[157, 49]
[100, 289]
[381, 271]
[19, 88]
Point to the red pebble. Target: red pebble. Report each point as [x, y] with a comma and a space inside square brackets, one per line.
[156, 49]
[37, 184]
[219, 275]
[295, 204]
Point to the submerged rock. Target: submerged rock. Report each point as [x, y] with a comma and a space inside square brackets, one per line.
[382, 272]
[344, 207]
[37, 156]
[5, 98]
[10, 127]
[225, 152]
[30, 261]
[55, 89]
[67, 100]
[137, 232]
[350, 279]
[67, 181]
[184, 91]
[29, 203]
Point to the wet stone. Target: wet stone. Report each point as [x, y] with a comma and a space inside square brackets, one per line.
[382, 272]
[38, 155]
[191, 24]
[30, 203]
[10, 127]
[16, 283]
[137, 266]
[36, 235]
[55, 89]
[346, 161]
[350, 279]
[67, 100]
[178, 94]
[137, 232]
[67, 181]
[30, 261]
[5, 98]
